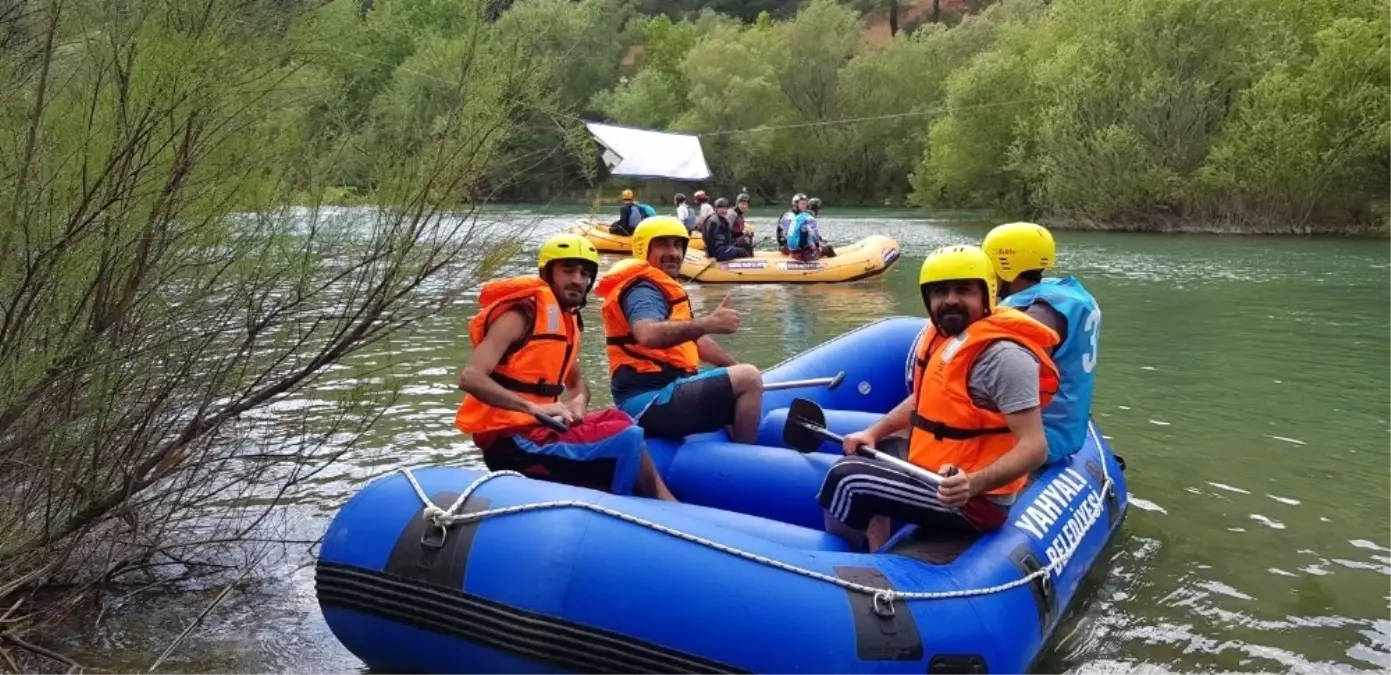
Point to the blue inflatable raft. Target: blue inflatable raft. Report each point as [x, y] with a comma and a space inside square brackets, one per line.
[739, 577]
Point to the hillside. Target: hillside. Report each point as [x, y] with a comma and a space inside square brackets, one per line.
[911, 14]
[875, 22]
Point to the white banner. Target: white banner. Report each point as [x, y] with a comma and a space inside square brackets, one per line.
[650, 154]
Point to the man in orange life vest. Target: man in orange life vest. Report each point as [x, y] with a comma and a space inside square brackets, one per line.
[526, 343]
[655, 345]
[981, 376]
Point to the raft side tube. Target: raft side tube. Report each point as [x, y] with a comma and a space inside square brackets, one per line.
[867, 258]
[871, 357]
[770, 430]
[769, 482]
[642, 599]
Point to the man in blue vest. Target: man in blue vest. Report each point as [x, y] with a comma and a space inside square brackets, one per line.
[630, 214]
[804, 242]
[799, 204]
[1021, 252]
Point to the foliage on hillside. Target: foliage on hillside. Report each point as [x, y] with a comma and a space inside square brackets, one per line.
[1247, 115]
[1267, 115]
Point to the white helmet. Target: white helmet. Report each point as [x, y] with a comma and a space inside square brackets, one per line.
[797, 198]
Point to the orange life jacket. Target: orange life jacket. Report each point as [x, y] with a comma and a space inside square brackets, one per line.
[948, 427]
[621, 347]
[536, 369]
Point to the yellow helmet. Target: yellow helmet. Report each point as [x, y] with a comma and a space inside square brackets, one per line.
[657, 226]
[567, 247]
[959, 262]
[1019, 247]
[627, 195]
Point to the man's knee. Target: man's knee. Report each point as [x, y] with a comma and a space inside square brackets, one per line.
[842, 470]
[744, 378]
[835, 476]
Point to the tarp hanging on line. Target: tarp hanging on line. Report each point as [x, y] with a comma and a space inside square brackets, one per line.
[650, 154]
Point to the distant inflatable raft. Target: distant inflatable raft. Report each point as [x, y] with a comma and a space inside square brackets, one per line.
[868, 257]
[535, 577]
[597, 232]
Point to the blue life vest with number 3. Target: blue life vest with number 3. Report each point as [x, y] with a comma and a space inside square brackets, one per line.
[1065, 419]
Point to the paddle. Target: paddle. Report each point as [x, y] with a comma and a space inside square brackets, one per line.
[829, 382]
[553, 423]
[806, 429]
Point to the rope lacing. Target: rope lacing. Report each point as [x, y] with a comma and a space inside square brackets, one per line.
[884, 599]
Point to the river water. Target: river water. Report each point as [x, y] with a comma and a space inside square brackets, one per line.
[1245, 381]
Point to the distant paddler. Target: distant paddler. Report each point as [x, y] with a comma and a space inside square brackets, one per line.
[630, 214]
[804, 241]
[799, 204]
[723, 239]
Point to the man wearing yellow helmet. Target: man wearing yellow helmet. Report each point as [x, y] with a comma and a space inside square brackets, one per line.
[630, 214]
[1021, 252]
[656, 345]
[980, 376]
[526, 344]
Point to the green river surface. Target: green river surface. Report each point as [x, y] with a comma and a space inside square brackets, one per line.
[1244, 379]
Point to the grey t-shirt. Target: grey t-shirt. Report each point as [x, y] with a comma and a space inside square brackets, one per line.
[1005, 378]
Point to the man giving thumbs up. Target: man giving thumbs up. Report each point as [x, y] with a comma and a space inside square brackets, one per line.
[655, 345]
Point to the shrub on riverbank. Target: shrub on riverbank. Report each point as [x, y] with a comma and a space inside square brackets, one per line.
[155, 289]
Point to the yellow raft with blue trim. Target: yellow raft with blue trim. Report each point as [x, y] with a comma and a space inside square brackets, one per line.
[868, 257]
[597, 232]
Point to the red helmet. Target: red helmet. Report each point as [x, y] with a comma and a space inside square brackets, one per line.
[699, 196]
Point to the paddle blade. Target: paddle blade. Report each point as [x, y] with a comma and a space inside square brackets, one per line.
[803, 418]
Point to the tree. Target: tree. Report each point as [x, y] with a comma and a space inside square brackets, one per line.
[157, 287]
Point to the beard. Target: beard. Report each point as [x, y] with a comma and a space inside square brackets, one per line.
[950, 321]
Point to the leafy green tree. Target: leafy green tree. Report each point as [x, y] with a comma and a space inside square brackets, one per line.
[1310, 141]
[166, 268]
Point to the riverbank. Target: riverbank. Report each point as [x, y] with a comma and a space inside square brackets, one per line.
[1176, 225]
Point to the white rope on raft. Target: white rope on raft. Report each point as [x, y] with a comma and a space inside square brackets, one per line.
[443, 518]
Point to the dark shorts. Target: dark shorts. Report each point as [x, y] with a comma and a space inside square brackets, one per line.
[691, 405]
[602, 452]
[858, 488]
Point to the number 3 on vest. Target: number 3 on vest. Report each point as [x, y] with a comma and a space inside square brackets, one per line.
[1092, 327]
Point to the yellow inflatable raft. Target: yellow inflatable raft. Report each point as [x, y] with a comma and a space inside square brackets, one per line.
[597, 232]
[868, 257]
